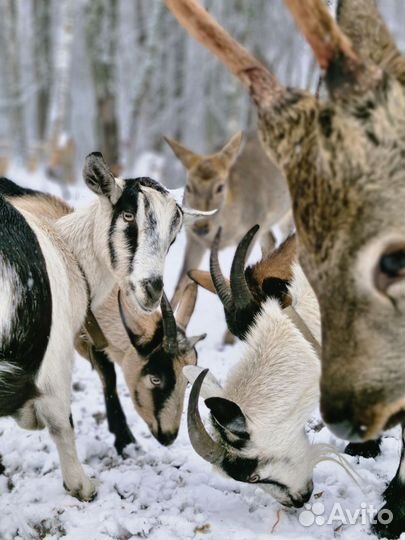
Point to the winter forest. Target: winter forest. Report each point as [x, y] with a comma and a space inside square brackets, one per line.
[134, 402]
[117, 75]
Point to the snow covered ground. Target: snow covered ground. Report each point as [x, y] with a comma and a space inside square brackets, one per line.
[166, 493]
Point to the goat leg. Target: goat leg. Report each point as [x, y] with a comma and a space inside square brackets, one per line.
[117, 422]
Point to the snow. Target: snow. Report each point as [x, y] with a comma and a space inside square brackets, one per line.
[163, 493]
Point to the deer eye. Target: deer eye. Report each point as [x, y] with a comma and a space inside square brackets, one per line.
[254, 478]
[128, 216]
[188, 189]
[391, 268]
[155, 380]
[220, 188]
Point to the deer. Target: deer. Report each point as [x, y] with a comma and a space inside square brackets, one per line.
[342, 157]
[244, 186]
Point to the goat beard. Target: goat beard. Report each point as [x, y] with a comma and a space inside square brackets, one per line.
[327, 452]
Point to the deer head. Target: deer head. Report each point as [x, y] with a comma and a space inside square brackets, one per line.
[207, 180]
[344, 162]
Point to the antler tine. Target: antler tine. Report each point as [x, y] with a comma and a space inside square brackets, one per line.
[321, 31]
[241, 293]
[203, 27]
[221, 285]
[169, 325]
[187, 305]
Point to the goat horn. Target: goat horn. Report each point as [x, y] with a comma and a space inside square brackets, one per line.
[220, 283]
[241, 293]
[200, 440]
[169, 326]
[131, 336]
[187, 305]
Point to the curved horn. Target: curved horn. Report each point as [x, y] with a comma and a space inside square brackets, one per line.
[131, 336]
[200, 440]
[169, 326]
[221, 285]
[187, 305]
[241, 293]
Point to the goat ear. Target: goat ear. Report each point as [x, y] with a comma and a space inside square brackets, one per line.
[190, 215]
[203, 279]
[228, 415]
[99, 178]
[210, 387]
[186, 156]
[231, 150]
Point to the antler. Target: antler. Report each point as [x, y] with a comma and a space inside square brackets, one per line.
[263, 85]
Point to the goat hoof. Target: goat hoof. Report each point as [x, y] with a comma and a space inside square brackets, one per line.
[85, 491]
[123, 441]
[369, 449]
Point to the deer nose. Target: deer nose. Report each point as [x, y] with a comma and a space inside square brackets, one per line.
[153, 288]
[201, 229]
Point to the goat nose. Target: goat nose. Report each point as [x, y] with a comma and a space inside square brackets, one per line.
[166, 438]
[153, 288]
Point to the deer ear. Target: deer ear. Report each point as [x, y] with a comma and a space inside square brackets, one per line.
[99, 178]
[186, 156]
[231, 150]
[228, 415]
[203, 279]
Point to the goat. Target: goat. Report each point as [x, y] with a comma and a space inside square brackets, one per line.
[244, 298]
[151, 350]
[51, 272]
[343, 160]
[259, 416]
[246, 188]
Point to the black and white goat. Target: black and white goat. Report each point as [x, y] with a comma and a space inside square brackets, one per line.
[259, 416]
[264, 398]
[51, 272]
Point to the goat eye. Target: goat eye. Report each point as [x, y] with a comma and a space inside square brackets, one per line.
[188, 189]
[220, 188]
[155, 380]
[128, 216]
[391, 268]
[254, 478]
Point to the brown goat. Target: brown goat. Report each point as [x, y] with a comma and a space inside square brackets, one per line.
[344, 162]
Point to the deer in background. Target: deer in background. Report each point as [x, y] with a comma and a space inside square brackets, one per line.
[246, 188]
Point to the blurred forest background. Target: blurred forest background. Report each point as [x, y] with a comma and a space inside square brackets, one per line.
[116, 75]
